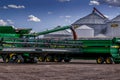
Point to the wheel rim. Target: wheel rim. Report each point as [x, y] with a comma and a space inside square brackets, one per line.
[100, 60]
[18, 61]
[48, 59]
[40, 59]
[109, 60]
[6, 60]
[56, 59]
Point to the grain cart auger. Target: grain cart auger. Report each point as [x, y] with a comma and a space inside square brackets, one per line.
[59, 29]
[54, 30]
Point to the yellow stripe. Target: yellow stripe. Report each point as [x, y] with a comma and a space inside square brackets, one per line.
[115, 46]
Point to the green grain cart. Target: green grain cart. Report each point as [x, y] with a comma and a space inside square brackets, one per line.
[19, 46]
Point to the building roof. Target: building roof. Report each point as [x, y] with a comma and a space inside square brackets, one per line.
[117, 18]
[92, 18]
[62, 32]
[84, 27]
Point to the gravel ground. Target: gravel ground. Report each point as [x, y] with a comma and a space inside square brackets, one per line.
[76, 70]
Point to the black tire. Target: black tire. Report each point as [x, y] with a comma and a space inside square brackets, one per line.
[100, 60]
[35, 59]
[48, 58]
[57, 59]
[41, 59]
[109, 60]
[20, 59]
[13, 59]
[67, 59]
[5, 58]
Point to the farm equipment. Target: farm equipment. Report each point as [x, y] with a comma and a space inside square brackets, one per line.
[19, 46]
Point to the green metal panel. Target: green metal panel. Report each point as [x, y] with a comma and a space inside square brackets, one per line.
[24, 31]
[96, 42]
[96, 50]
[9, 35]
[7, 29]
[116, 40]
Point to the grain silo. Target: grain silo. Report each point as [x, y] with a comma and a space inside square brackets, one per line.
[113, 27]
[84, 31]
[95, 20]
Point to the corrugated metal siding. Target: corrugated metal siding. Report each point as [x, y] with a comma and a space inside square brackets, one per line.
[113, 31]
[84, 31]
[92, 18]
[98, 29]
[94, 21]
[59, 35]
[117, 18]
[64, 32]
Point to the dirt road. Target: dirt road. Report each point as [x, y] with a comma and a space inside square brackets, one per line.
[76, 70]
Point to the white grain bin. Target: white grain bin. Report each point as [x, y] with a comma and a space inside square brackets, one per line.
[84, 31]
[94, 21]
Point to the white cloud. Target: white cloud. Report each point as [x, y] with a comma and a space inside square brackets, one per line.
[112, 2]
[108, 2]
[10, 21]
[33, 18]
[2, 22]
[64, 0]
[14, 6]
[94, 2]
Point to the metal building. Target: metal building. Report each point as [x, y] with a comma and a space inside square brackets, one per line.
[84, 31]
[113, 27]
[95, 20]
[64, 34]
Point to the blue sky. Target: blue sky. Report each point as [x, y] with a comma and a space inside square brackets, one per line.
[46, 14]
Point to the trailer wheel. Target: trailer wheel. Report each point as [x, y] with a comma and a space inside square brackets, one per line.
[35, 59]
[57, 59]
[100, 60]
[20, 59]
[109, 60]
[67, 59]
[48, 59]
[41, 59]
[6, 60]
[13, 59]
